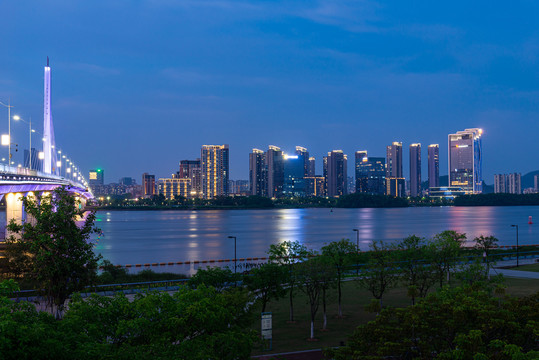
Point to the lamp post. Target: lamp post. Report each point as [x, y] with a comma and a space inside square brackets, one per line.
[29, 122]
[9, 106]
[357, 249]
[516, 226]
[235, 259]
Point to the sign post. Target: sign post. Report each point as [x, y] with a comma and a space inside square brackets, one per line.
[266, 331]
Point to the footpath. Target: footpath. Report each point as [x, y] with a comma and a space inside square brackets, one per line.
[501, 268]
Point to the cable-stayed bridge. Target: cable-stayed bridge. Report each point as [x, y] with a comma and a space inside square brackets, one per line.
[42, 171]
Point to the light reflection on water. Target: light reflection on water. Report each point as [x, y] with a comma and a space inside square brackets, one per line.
[133, 237]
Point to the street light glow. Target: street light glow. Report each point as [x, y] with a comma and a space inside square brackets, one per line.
[5, 140]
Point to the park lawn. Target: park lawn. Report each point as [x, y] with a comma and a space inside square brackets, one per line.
[530, 267]
[294, 336]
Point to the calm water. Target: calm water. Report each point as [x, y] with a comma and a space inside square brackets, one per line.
[132, 237]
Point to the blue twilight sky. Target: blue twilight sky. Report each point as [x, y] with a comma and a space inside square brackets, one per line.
[139, 85]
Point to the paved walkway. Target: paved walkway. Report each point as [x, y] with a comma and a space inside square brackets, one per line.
[500, 265]
[515, 273]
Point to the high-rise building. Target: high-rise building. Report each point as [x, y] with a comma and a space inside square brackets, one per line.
[508, 183]
[239, 187]
[434, 165]
[187, 167]
[514, 184]
[148, 185]
[336, 173]
[394, 160]
[500, 183]
[275, 168]
[415, 170]
[96, 177]
[370, 174]
[294, 175]
[315, 186]
[190, 169]
[257, 173]
[301, 151]
[312, 167]
[361, 178]
[214, 167]
[465, 158]
[127, 181]
[174, 187]
[395, 186]
[536, 183]
[395, 182]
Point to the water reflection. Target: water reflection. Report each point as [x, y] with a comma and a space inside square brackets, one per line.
[171, 236]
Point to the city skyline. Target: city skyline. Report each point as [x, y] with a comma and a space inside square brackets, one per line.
[138, 92]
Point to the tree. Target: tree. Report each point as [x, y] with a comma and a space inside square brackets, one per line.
[415, 270]
[313, 275]
[444, 252]
[56, 249]
[219, 278]
[380, 274]
[453, 323]
[485, 244]
[288, 254]
[267, 282]
[339, 254]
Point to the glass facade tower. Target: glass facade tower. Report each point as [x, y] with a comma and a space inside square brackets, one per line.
[465, 158]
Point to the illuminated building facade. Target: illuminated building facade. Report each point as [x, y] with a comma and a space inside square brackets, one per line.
[434, 165]
[96, 177]
[336, 173]
[415, 170]
[370, 174]
[395, 186]
[394, 160]
[148, 185]
[301, 151]
[315, 186]
[465, 158]
[275, 169]
[394, 177]
[312, 167]
[294, 175]
[190, 169]
[170, 188]
[214, 170]
[257, 173]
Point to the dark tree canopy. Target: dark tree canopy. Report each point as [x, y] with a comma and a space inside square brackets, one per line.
[53, 247]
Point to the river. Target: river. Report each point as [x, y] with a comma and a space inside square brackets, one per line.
[139, 237]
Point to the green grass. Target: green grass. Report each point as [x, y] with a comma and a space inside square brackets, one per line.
[530, 267]
[293, 336]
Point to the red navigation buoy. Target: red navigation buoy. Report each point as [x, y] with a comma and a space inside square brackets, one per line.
[530, 220]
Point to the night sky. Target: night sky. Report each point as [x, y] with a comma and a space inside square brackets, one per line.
[140, 85]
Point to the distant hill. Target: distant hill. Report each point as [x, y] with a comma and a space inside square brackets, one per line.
[527, 180]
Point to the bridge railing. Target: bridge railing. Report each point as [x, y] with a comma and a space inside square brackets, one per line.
[7, 169]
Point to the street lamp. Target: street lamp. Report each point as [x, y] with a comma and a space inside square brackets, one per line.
[29, 122]
[357, 249]
[9, 106]
[516, 226]
[235, 259]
